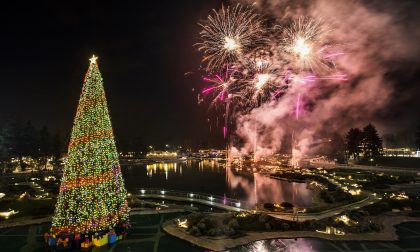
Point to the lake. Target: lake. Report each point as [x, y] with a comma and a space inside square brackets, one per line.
[214, 177]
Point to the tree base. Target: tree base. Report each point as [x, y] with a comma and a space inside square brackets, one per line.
[65, 241]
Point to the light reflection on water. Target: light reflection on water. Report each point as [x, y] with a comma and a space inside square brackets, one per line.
[213, 177]
[278, 245]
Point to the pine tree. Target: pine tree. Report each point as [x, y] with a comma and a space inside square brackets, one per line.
[418, 138]
[353, 139]
[371, 143]
[92, 196]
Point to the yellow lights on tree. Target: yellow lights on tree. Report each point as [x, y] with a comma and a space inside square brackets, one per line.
[92, 196]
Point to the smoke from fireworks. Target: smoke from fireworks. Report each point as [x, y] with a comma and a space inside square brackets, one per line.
[258, 62]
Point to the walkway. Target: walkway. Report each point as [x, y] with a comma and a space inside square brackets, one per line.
[146, 235]
[370, 199]
[202, 198]
[401, 170]
[236, 205]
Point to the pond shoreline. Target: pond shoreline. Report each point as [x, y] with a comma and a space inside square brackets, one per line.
[224, 243]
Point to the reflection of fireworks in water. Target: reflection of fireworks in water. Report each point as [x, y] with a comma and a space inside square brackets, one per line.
[228, 33]
[277, 245]
[259, 189]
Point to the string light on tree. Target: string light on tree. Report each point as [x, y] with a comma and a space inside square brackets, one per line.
[92, 196]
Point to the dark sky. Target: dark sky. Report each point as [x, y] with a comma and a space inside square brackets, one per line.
[144, 49]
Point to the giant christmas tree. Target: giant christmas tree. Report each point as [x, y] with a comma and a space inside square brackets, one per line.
[92, 196]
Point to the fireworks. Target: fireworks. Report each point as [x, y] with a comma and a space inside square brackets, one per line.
[257, 61]
[219, 86]
[229, 33]
[306, 41]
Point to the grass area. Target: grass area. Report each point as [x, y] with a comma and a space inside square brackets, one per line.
[32, 208]
[235, 225]
[386, 205]
[405, 162]
[333, 195]
[347, 201]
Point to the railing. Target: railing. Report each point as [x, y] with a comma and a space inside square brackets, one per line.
[208, 199]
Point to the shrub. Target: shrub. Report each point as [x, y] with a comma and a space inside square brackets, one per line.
[195, 231]
[233, 223]
[287, 205]
[269, 206]
[263, 218]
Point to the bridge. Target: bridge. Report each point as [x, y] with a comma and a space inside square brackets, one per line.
[202, 198]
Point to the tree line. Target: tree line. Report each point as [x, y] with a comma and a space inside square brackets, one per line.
[364, 143]
[19, 139]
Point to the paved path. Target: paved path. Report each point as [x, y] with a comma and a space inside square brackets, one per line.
[414, 171]
[178, 196]
[371, 199]
[205, 199]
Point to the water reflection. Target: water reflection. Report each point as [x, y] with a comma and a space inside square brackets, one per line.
[260, 188]
[214, 177]
[277, 245]
[163, 168]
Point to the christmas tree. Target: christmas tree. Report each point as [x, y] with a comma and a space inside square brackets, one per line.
[92, 196]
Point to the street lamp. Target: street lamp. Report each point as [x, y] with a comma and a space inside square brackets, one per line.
[371, 161]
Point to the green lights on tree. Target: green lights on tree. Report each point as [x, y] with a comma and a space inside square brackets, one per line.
[92, 196]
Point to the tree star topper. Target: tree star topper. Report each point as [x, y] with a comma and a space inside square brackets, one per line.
[93, 59]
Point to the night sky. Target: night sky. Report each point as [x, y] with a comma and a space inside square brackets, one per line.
[144, 48]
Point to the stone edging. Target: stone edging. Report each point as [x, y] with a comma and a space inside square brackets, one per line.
[221, 244]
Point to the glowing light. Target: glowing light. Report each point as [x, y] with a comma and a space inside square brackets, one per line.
[227, 31]
[182, 223]
[250, 62]
[191, 195]
[344, 218]
[23, 195]
[399, 196]
[301, 47]
[142, 191]
[9, 213]
[92, 196]
[161, 154]
[93, 59]
[355, 191]
[261, 80]
[230, 44]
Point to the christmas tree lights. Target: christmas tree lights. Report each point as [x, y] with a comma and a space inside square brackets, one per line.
[92, 196]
